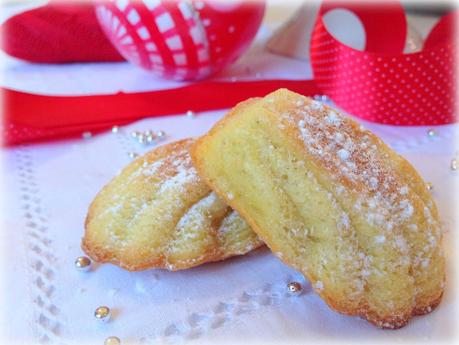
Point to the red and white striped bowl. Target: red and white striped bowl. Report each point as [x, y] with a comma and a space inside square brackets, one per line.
[181, 40]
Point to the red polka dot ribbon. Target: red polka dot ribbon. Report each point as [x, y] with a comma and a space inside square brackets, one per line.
[382, 84]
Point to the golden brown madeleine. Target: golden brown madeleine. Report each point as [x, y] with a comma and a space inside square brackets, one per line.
[331, 200]
[157, 213]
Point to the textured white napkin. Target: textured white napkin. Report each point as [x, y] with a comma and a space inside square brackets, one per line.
[49, 188]
[46, 192]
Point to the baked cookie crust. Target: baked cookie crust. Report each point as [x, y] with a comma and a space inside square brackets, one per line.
[330, 199]
[158, 213]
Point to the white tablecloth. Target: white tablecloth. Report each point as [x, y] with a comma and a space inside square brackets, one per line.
[47, 190]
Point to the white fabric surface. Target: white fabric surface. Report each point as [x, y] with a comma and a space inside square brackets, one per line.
[49, 187]
[47, 190]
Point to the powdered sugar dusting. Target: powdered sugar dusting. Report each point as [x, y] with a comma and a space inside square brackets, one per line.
[316, 105]
[333, 118]
[195, 214]
[343, 154]
[226, 224]
[196, 219]
[358, 166]
[169, 175]
[380, 239]
[373, 182]
[330, 136]
[178, 182]
[151, 169]
[345, 220]
[172, 172]
[319, 285]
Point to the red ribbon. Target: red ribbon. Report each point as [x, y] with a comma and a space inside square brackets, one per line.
[31, 117]
[378, 84]
[382, 84]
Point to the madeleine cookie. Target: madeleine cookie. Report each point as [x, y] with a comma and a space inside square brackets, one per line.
[332, 200]
[157, 213]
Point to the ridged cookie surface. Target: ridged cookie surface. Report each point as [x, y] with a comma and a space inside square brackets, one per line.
[332, 200]
[157, 213]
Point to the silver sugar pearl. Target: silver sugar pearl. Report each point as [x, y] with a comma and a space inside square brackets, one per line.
[431, 133]
[115, 129]
[294, 288]
[86, 135]
[453, 165]
[83, 263]
[112, 341]
[160, 134]
[135, 134]
[429, 186]
[102, 314]
[148, 133]
[190, 113]
[133, 155]
[142, 139]
[150, 138]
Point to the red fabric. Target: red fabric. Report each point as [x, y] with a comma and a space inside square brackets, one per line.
[57, 33]
[443, 31]
[382, 84]
[30, 117]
